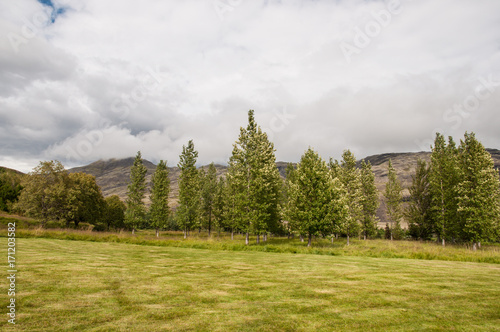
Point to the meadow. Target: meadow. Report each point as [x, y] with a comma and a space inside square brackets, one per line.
[104, 282]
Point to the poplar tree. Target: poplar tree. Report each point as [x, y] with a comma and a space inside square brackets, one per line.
[189, 189]
[393, 197]
[418, 211]
[219, 205]
[208, 195]
[369, 200]
[443, 178]
[350, 178]
[316, 202]
[160, 189]
[136, 209]
[478, 192]
[254, 180]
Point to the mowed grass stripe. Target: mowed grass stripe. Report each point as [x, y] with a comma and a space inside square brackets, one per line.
[87, 286]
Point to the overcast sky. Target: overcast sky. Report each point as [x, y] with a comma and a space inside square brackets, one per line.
[82, 80]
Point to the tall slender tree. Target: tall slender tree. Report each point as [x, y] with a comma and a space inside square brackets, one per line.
[418, 211]
[393, 199]
[208, 195]
[219, 205]
[160, 189]
[369, 200]
[189, 189]
[350, 178]
[443, 178]
[254, 179]
[136, 208]
[478, 192]
[316, 202]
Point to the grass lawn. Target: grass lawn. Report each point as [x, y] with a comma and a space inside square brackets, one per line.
[104, 286]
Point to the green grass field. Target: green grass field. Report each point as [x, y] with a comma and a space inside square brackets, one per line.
[65, 285]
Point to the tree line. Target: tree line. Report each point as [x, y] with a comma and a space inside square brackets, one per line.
[454, 198]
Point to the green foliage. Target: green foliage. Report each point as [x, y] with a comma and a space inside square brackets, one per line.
[188, 212]
[443, 178]
[369, 200]
[10, 189]
[85, 202]
[317, 203]
[350, 178]
[114, 212]
[160, 189]
[136, 209]
[478, 192]
[44, 196]
[393, 198]
[418, 212]
[254, 181]
[208, 196]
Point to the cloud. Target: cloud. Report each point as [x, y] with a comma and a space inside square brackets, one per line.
[116, 79]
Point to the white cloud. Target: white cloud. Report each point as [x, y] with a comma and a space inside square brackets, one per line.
[151, 76]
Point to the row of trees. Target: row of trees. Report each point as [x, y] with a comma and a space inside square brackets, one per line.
[315, 199]
[457, 196]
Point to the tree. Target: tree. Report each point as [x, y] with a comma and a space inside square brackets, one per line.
[189, 189]
[350, 178]
[136, 209]
[369, 200]
[478, 192]
[85, 202]
[219, 205]
[315, 197]
[393, 197]
[45, 192]
[443, 179]
[10, 188]
[290, 179]
[114, 212]
[254, 179]
[208, 195]
[418, 211]
[159, 210]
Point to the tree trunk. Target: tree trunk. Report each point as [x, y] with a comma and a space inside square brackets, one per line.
[288, 236]
[364, 237]
[133, 231]
[332, 238]
[347, 239]
[265, 237]
[232, 235]
[443, 242]
[247, 239]
[258, 238]
[301, 238]
[309, 240]
[474, 246]
[391, 234]
[157, 232]
[479, 245]
[185, 233]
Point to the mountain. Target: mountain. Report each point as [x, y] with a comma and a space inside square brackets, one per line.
[113, 175]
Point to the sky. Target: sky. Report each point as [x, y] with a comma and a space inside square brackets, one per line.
[83, 80]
